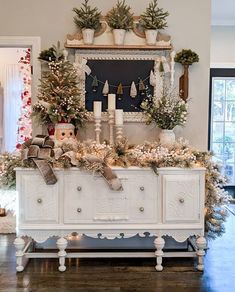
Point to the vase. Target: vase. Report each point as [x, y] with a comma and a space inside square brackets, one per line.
[119, 36]
[183, 86]
[88, 36]
[151, 36]
[167, 137]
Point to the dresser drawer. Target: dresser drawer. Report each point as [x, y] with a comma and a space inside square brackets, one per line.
[88, 199]
[39, 202]
[181, 198]
[143, 199]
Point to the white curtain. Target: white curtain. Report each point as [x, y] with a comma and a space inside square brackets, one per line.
[12, 87]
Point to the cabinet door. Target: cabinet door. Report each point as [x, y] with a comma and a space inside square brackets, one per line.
[181, 198]
[38, 201]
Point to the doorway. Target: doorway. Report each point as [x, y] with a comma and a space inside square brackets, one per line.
[19, 74]
[15, 98]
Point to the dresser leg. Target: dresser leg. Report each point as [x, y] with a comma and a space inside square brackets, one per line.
[62, 244]
[19, 245]
[159, 243]
[201, 245]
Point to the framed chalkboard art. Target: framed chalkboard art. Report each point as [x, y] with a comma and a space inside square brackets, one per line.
[125, 73]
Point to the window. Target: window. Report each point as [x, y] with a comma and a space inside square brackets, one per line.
[222, 120]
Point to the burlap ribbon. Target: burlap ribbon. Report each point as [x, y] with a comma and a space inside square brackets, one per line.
[108, 174]
[39, 150]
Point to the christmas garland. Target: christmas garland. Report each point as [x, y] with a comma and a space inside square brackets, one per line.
[149, 154]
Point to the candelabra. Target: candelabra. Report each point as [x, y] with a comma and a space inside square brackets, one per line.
[97, 129]
[111, 125]
[119, 132]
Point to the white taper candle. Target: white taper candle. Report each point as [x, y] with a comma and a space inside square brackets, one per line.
[111, 101]
[97, 108]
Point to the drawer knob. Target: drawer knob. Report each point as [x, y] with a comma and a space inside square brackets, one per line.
[39, 201]
[141, 209]
[79, 210]
[79, 188]
[142, 189]
[181, 200]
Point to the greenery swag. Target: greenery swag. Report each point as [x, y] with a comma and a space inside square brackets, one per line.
[149, 154]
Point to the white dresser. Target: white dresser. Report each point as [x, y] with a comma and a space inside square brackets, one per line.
[170, 203]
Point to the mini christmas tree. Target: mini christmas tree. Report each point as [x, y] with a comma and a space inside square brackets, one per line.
[161, 68]
[105, 90]
[141, 87]
[94, 84]
[120, 91]
[154, 17]
[87, 17]
[59, 95]
[120, 16]
[133, 91]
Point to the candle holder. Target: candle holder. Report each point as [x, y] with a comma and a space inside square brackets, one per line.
[111, 125]
[97, 129]
[119, 132]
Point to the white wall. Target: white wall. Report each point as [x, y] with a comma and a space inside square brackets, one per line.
[223, 46]
[189, 26]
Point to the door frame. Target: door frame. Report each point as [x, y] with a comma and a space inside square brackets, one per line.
[34, 43]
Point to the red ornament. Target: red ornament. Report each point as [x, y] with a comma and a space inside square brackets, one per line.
[18, 146]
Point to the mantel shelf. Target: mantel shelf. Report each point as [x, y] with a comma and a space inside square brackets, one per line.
[121, 47]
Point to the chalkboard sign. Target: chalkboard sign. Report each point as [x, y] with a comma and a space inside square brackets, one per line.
[117, 71]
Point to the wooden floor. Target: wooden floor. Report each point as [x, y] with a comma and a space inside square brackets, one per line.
[124, 274]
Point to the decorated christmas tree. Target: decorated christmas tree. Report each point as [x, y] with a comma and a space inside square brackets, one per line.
[59, 98]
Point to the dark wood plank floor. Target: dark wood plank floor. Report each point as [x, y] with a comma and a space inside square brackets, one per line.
[123, 274]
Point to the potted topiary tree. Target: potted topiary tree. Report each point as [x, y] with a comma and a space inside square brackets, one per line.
[151, 20]
[87, 19]
[120, 19]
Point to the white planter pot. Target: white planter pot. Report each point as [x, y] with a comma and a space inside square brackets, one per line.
[119, 36]
[151, 36]
[88, 36]
[167, 137]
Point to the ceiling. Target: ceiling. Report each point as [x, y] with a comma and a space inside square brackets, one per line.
[223, 12]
